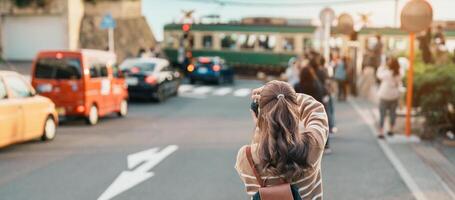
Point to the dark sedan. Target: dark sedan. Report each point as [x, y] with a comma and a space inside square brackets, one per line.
[210, 69]
[150, 78]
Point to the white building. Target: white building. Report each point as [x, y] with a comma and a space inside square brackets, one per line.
[26, 30]
[69, 25]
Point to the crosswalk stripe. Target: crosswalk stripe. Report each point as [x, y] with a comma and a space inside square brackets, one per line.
[242, 92]
[185, 88]
[222, 91]
[202, 90]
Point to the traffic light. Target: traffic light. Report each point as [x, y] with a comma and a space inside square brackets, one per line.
[186, 27]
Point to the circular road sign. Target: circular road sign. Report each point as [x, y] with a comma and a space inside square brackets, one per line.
[345, 24]
[416, 16]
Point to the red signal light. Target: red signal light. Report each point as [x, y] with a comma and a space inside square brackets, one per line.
[186, 27]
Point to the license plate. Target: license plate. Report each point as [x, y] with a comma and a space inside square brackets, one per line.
[60, 111]
[42, 88]
[132, 81]
[202, 70]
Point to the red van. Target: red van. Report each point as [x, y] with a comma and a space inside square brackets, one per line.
[84, 83]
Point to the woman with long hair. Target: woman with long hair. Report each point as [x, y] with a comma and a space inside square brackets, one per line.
[291, 131]
[388, 93]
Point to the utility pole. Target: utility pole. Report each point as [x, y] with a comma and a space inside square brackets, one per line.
[395, 18]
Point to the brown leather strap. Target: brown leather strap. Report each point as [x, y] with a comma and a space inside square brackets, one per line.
[249, 156]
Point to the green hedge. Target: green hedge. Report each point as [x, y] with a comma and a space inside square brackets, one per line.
[434, 95]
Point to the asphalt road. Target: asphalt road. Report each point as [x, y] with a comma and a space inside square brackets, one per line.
[197, 136]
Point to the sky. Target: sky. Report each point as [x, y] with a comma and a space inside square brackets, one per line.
[160, 12]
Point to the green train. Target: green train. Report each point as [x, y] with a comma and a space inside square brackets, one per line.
[267, 46]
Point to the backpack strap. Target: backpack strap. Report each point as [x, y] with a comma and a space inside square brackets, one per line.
[249, 156]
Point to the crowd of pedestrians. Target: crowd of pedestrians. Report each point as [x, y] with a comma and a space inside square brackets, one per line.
[309, 75]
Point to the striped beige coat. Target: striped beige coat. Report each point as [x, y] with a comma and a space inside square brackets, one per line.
[313, 124]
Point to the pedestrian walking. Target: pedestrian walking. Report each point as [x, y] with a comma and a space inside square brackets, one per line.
[292, 71]
[388, 93]
[311, 85]
[341, 76]
[377, 52]
[286, 152]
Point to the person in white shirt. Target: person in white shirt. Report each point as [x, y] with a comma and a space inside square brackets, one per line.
[388, 93]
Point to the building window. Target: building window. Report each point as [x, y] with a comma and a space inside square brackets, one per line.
[207, 41]
[307, 44]
[229, 41]
[170, 40]
[288, 44]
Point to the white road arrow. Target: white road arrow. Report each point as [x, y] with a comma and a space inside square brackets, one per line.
[143, 162]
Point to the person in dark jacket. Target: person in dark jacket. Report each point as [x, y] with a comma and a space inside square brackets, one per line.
[310, 85]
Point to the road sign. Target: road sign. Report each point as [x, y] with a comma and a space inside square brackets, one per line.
[345, 24]
[108, 22]
[139, 166]
[416, 16]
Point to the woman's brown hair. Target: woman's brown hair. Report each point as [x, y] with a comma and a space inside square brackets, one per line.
[394, 65]
[281, 149]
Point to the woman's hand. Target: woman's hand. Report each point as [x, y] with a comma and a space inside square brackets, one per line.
[256, 94]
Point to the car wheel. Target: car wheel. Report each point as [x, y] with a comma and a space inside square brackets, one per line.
[220, 80]
[50, 128]
[93, 116]
[231, 80]
[176, 91]
[192, 81]
[123, 108]
[160, 95]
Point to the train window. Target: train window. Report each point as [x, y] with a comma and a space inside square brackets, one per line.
[247, 41]
[266, 42]
[229, 41]
[307, 44]
[288, 44]
[170, 40]
[207, 41]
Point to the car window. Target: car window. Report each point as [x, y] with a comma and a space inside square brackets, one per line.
[3, 94]
[98, 70]
[165, 68]
[103, 71]
[54, 68]
[116, 71]
[18, 86]
[142, 66]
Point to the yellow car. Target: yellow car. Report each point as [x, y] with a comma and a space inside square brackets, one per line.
[24, 115]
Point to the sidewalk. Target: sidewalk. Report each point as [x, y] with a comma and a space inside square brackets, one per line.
[427, 172]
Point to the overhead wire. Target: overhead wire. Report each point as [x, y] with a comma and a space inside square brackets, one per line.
[282, 4]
